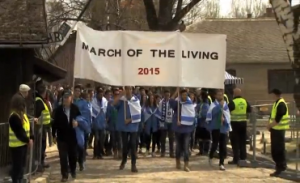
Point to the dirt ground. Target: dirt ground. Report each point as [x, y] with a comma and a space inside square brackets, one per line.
[163, 170]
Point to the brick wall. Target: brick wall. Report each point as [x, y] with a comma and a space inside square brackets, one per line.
[255, 87]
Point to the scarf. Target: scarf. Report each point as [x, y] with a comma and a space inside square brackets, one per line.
[97, 107]
[224, 112]
[166, 111]
[188, 114]
[135, 108]
[148, 112]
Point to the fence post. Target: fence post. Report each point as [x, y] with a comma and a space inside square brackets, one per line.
[253, 121]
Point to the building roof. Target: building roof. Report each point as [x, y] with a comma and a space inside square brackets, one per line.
[23, 21]
[248, 40]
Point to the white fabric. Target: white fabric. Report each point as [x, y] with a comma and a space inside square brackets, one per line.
[96, 108]
[24, 88]
[226, 112]
[167, 59]
[134, 108]
[188, 110]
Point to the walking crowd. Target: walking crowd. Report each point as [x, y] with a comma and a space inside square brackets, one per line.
[122, 121]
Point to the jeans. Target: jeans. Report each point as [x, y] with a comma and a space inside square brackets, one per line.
[220, 139]
[99, 143]
[68, 157]
[182, 145]
[18, 156]
[164, 133]
[129, 143]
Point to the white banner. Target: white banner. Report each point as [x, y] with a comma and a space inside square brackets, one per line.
[132, 58]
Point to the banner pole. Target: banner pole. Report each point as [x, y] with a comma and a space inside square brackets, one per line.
[178, 105]
[125, 107]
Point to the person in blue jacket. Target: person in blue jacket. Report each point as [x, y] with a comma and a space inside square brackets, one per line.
[151, 120]
[183, 125]
[99, 122]
[192, 140]
[86, 116]
[129, 117]
[202, 132]
[218, 119]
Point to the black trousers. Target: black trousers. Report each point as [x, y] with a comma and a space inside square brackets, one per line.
[153, 136]
[204, 139]
[68, 157]
[158, 134]
[99, 143]
[163, 135]
[129, 142]
[18, 157]
[192, 139]
[278, 149]
[220, 139]
[116, 139]
[91, 137]
[238, 138]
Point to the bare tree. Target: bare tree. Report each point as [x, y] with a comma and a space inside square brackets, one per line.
[240, 8]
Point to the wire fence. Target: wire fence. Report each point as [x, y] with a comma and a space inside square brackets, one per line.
[260, 136]
[34, 156]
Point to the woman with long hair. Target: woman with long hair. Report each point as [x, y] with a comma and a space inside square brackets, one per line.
[150, 112]
[19, 137]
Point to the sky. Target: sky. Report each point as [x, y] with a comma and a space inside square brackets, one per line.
[225, 5]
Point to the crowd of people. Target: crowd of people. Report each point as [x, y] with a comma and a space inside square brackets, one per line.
[120, 122]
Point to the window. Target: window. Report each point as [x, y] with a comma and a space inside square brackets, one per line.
[283, 80]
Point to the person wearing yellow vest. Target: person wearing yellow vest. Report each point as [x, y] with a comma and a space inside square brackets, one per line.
[42, 112]
[20, 137]
[239, 110]
[278, 124]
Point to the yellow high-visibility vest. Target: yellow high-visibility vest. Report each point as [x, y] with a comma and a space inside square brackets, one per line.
[240, 111]
[284, 122]
[226, 98]
[209, 98]
[45, 113]
[13, 140]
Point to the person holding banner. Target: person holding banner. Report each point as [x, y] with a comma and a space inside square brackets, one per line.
[165, 123]
[129, 117]
[151, 117]
[218, 119]
[183, 125]
[99, 122]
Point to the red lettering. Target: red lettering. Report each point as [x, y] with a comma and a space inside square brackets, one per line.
[148, 71]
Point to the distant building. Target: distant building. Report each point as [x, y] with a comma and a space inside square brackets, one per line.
[255, 52]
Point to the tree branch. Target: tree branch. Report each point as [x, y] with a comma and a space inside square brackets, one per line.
[179, 7]
[151, 14]
[182, 13]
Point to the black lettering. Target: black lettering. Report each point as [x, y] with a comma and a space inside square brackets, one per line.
[110, 53]
[93, 51]
[101, 52]
[85, 46]
[153, 52]
[162, 53]
[139, 52]
[171, 53]
[205, 55]
[183, 54]
[131, 52]
[214, 56]
[195, 54]
[118, 53]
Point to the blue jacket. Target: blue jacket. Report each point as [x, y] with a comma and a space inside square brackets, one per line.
[152, 122]
[85, 109]
[82, 129]
[201, 112]
[99, 122]
[213, 124]
[181, 128]
[121, 126]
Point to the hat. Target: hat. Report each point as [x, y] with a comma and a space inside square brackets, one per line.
[24, 88]
[276, 92]
[67, 93]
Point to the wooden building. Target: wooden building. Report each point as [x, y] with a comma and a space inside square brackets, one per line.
[23, 32]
